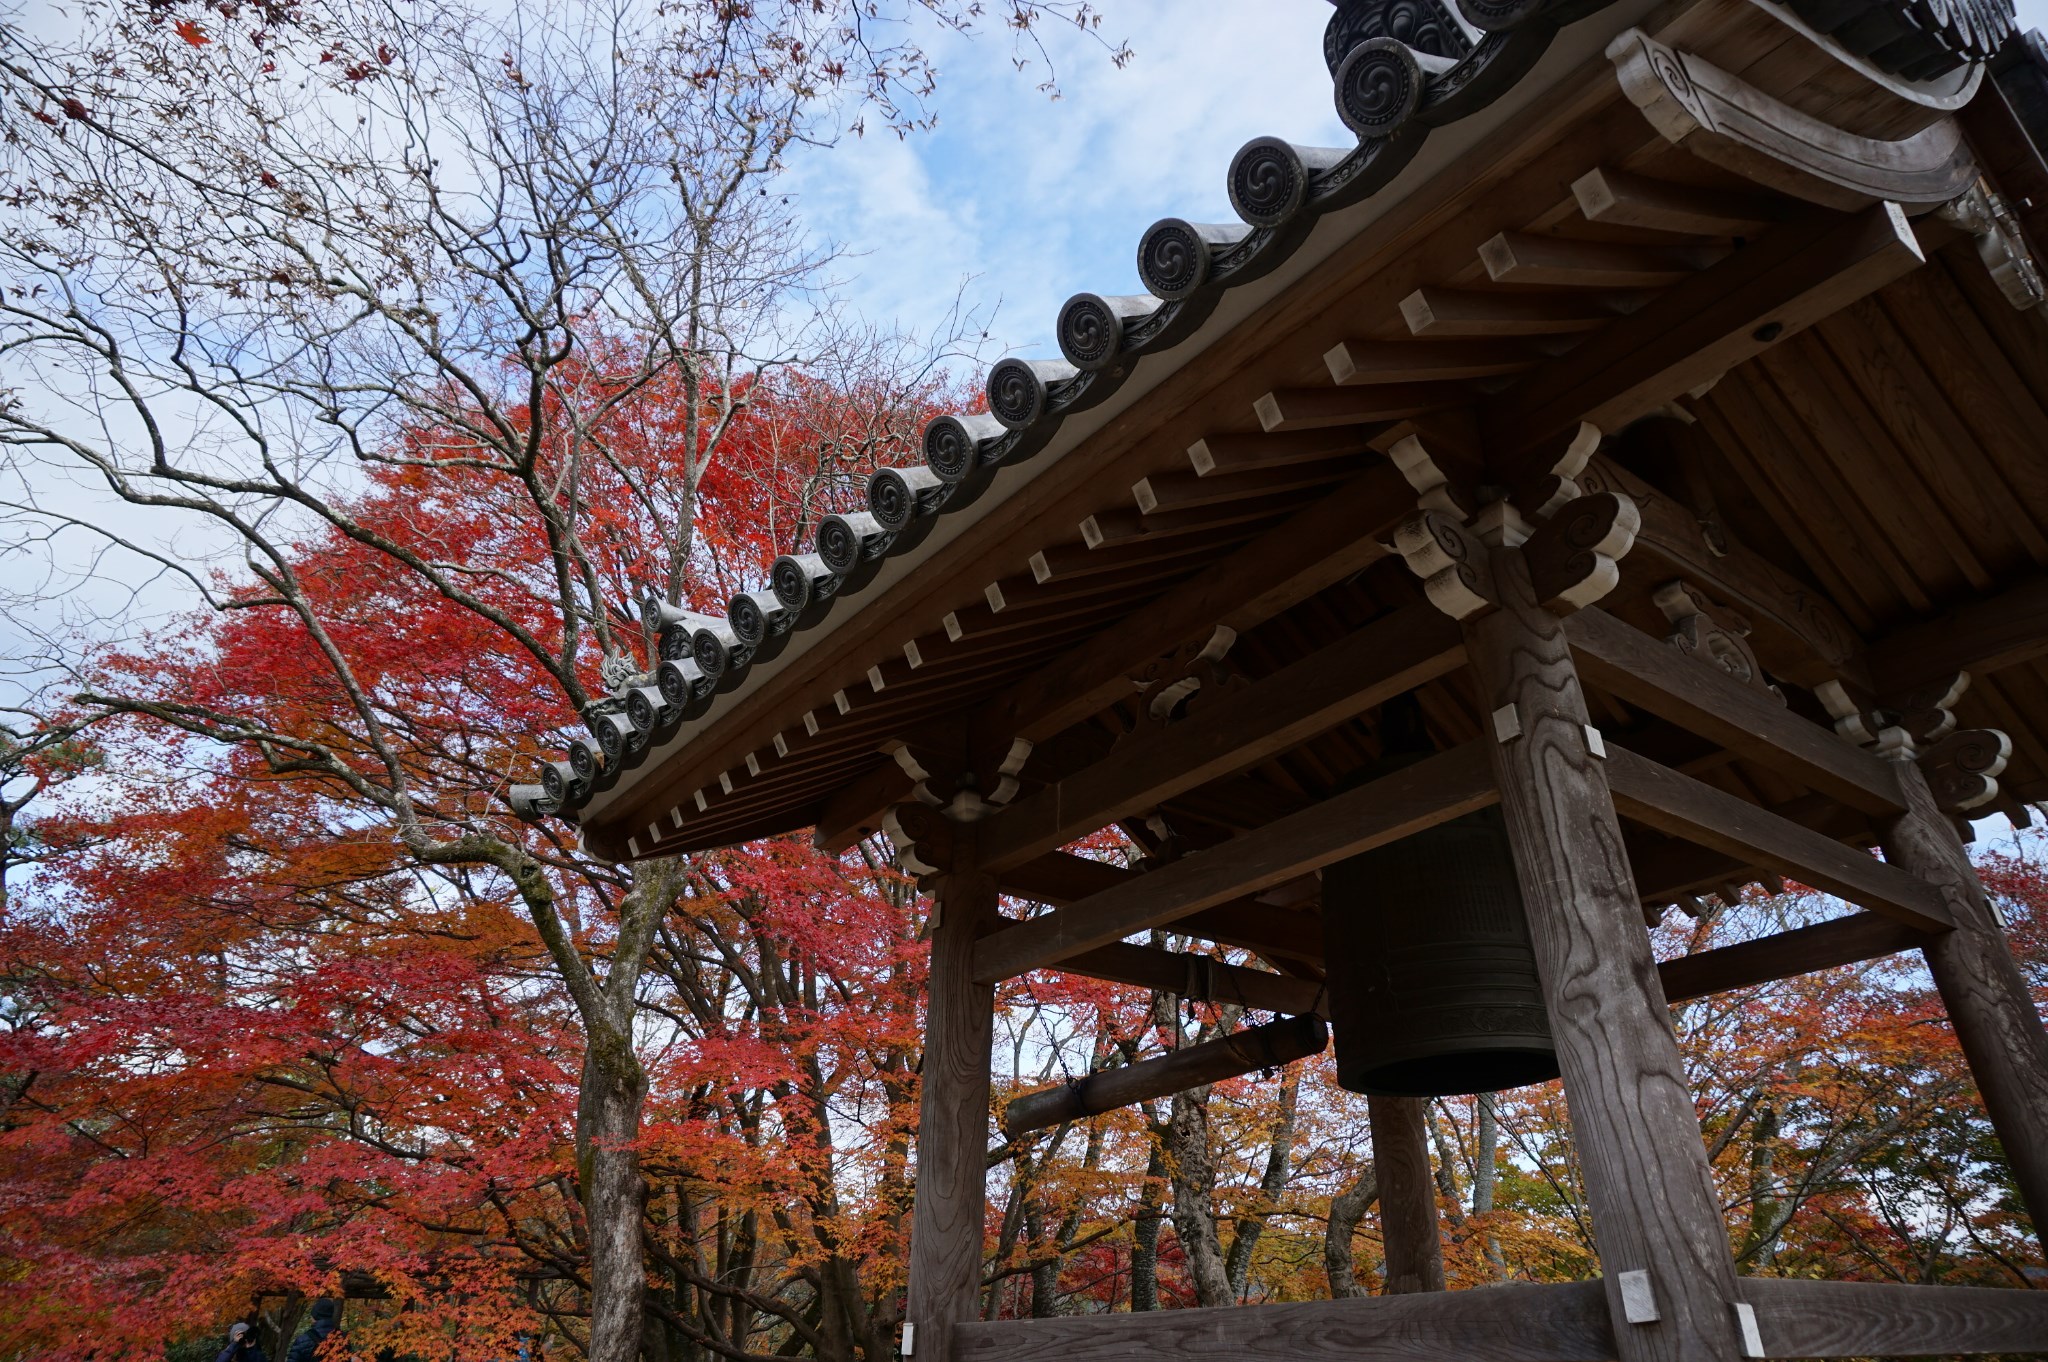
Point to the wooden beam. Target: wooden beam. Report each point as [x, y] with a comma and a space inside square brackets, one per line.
[1618, 199]
[1653, 676]
[1259, 1047]
[1792, 277]
[1179, 491]
[1664, 1257]
[1286, 409]
[1524, 258]
[1799, 635]
[1675, 803]
[1522, 1322]
[1433, 311]
[1244, 452]
[1798, 1318]
[1384, 659]
[1386, 810]
[950, 1209]
[1977, 636]
[1327, 542]
[1424, 361]
[1197, 978]
[1840, 941]
[1989, 1003]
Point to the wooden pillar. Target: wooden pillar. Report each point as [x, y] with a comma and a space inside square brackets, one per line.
[1987, 998]
[952, 1129]
[1663, 1244]
[1408, 1226]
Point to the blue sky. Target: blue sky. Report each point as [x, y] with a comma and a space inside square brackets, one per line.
[1026, 200]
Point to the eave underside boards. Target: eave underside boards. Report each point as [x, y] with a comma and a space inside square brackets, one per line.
[1893, 457]
[1515, 181]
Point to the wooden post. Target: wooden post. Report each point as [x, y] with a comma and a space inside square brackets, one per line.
[1408, 1228]
[1988, 1001]
[947, 1214]
[1664, 1252]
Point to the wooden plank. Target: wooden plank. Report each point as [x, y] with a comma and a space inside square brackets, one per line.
[1655, 1216]
[1617, 198]
[1840, 941]
[1976, 636]
[1676, 803]
[1523, 1322]
[1334, 537]
[1198, 978]
[1386, 810]
[950, 1209]
[1791, 278]
[1223, 455]
[1177, 491]
[1798, 1318]
[1989, 1003]
[1651, 675]
[1357, 673]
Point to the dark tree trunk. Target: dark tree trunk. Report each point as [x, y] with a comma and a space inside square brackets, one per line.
[609, 1099]
[1145, 1235]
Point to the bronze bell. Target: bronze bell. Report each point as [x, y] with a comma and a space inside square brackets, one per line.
[1432, 980]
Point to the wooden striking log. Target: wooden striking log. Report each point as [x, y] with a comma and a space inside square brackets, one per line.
[1987, 998]
[1803, 950]
[1893, 1319]
[1383, 659]
[1198, 978]
[1664, 1254]
[1408, 1225]
[952, 1133]
[1521, 1322]
[1652, 675]
[1258, 1047]
[1421, 796]
[1673, 802]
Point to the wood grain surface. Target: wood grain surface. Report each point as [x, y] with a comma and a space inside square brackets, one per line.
[1893, 1319]
[1653, 1200]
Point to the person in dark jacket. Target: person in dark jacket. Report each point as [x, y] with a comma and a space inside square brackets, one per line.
[308, 1346]
[241, 1345]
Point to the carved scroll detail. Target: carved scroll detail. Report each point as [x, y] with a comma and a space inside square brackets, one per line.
[1198, 674]
[1574, 558]
[1721, 119]
[1456, 572]
[1963, 768]
[1710, 636]
[1985, 216]
[964, 796]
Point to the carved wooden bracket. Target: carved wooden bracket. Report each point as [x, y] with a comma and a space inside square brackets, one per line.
[966, 791]
[923, 838]
[1962, 769]
[1715, 116]
[2000, 245]
[1900, 723]
[1455, 567]
[1574, 559]
[1191, 675]
[1711, 636]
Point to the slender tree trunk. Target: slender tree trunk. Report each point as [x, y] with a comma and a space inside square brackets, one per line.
[1194, 1188]
[1763, 1182]
[1347, 1208]
[1145, 1233]
[609, 1099]
[1279, 1165]
[1486, 1175]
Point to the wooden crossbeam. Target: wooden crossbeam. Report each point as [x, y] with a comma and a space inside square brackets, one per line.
[1789, 279]
[1892, 1319]
[1522, 1322]
[1617, 198]
[1839, 941]
[1384, 659]
[1421, 361]
[1286, 409]
[1676, 803]
[1386, 810]
[1246, 452]
[1432, 311]
[1645, 672]
[1524, 258]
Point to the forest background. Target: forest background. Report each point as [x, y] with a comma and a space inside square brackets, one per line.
[418, 350]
